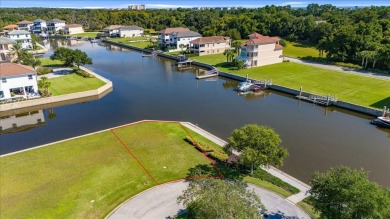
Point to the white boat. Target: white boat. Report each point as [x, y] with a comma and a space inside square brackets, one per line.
[244, 86]
[382, 121]
[95, 40]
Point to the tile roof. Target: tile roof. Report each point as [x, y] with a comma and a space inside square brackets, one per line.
[261, 40]
[187, 34]
[173, 30]
[130, 28]
[278, 47]
[55, 20]
[255, 34]
[113, 27]
[73, 25]
[11, 26]
[12, 69]
[25, 22]
[212, 39]
[6, 40]
[16, 32]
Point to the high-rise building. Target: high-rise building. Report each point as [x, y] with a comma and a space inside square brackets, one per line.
[136, 7]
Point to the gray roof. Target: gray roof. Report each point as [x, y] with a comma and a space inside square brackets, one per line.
[18, 32]
[55, 21]
[130, 28]
[39, 20]
[6, 40]
[187, 34]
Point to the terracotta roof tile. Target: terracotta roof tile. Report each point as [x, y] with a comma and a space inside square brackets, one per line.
[13, 69]
[278, 47]
[262, 40]
[11, 26]
[212, 39]
[255, 34]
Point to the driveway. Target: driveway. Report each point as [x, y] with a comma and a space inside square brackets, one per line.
[160, 202]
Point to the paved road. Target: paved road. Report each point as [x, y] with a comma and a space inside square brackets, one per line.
[342, 69]
[160, 202]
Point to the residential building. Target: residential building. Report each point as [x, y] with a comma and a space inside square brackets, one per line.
[130, 31]
[210, 45]
[73, 29]
[23, 37]
[6, 45]
[55, 25]
[17, 81]
[136, 7]
[10, 28]
[112, 30]
[173, 37]
[261, 50]
[25, 25]
[39, 26]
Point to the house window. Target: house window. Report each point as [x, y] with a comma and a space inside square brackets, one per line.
[30, 77]
[4, 80]
[26, 35]
[17, 36]
[1, 94]
[1, 46]
[3, 57]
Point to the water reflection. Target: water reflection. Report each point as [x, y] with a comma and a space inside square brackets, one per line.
[21, 122]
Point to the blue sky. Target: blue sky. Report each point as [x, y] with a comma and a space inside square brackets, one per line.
[181, 3]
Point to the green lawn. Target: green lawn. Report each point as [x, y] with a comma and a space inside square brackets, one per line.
[73, 83]
[309, 209]
[356, 89]
[136, 44]
[86, 34]
[46, 62]
[299, 50]
[89, 176]
[267, 185]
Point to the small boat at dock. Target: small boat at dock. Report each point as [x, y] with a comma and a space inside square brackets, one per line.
[95, 40]
[244, 86]
[382, 122]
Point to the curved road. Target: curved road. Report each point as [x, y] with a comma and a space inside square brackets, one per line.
[160, 202]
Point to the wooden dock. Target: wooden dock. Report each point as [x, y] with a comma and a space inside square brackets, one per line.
[319, 100]
[208, 74]
[185, 64]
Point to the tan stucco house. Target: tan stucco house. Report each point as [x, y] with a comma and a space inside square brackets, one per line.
[261, 50]
[73, 29]
[6, 45]
[210, 45]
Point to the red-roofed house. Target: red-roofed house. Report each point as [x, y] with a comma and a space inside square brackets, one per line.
[17, 81]
[210, 45]
[261, 50]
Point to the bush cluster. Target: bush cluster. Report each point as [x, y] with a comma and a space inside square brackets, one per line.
[44, 70]
[217, 154]
[82, 73]
[263, 175]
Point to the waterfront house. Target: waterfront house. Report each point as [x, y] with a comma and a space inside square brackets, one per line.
[112, 30]
[261, 50]
[6, 45]
[131, 31]
[210, 45]
[164, 35]
[10, 28]
[25, 25]
[55, 25]
[174, 37]
[39, 26]
[17, 81]
[73, 29]
[23, 37]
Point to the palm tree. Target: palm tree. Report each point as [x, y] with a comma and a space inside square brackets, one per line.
[237, 46]
[17, 53]
[44, 83]
[229, 55]
[182, 46]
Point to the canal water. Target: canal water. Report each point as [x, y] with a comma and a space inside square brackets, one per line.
[317, 138]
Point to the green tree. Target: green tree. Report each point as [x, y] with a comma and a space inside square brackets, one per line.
[182, 46]
[63, 54]
[215, 198]
[229, 55]
[237, 46]
[29, 59]
[345, 193]
[238, 63]
[258, 145]
[17, 53]
[81, 58]
[44, 84]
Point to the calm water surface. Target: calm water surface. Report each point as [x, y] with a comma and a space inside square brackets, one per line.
[152, 88]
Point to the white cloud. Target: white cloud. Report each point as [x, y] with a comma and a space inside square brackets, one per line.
[294, 3]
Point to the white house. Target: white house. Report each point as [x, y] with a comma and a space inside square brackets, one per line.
[23, 37]
[26, 120]
[73, 29]
[210, 45]
[112, 30]
[164, 35]
[6, 45]
[55, 25]
[261, 50]
[173, 37]
[17, 81]
[130, 31]
[25, 25]
[39, 26]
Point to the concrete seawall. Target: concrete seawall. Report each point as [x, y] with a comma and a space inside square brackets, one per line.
[62, 99]
[287, 90]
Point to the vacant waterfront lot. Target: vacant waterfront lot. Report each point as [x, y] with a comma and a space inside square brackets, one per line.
[86, 34]
[73, 83]
[89, 176]
[347, 87]
[299, 50]
[141, 45]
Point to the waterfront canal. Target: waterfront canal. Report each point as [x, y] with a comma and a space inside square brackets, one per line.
[152, 88]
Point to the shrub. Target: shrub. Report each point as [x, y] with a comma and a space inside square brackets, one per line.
[263, 175]
[82, 73]
[44, 70]
[217, 154]
[347, 65]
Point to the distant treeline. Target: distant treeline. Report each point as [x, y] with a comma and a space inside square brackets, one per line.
[346, 35]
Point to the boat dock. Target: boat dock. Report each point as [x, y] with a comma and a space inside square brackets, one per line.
[317, 99]
[153, 54]
[185, 64]
[208, 74]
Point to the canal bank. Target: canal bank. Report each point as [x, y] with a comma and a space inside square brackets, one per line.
[61, 99]
[342, 104]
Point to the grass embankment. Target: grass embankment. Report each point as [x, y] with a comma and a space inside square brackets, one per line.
[47, 62]
[352, 88]
[86, 34]
[89, 176]
[127, 40]
[73, 83]
[299, 50]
